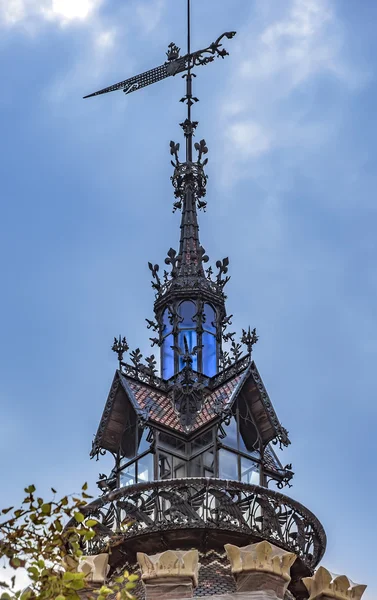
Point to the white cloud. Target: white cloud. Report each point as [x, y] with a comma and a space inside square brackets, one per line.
[13, 12]
[271, 103]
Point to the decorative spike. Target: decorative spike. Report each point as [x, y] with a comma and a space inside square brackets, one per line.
[120, 346]
[249, 338]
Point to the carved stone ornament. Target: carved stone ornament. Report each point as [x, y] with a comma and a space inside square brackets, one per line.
[169, 564]
[328, 586]
[95, 568]
[260, 566]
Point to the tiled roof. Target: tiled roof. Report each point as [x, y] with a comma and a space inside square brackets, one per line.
[158, 406]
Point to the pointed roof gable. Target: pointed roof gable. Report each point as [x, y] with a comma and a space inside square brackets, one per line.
[130, 398]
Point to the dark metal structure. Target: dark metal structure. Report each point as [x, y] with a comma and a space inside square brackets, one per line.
[192, 444]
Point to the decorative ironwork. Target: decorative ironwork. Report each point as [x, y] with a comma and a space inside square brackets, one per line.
[173, 52]
[154, 270]
[188, 389]
[189, 175]
[120, 346]
[173, 66]
[249, 338]
[206, 504]
[136, 358]
[140, 375]
[222, 265]
[174, 260]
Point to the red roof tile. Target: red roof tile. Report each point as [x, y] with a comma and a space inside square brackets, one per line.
[160, 408]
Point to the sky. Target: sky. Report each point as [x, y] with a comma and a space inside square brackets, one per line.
[86, 202]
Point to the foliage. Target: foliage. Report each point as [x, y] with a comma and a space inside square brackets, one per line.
[35, 539]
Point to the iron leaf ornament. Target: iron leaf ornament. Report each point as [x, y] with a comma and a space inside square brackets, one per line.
[136, 357]
[174, 260]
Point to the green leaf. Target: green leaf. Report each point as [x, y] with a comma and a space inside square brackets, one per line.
[79, 517]
[60, 597]
[133, 577]
[85, 487]
[46, 509]
[130, 586]
[91, 523]
[58, 525]
[53, 491]
[31, 489]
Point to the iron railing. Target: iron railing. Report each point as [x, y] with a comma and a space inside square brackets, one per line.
[204, 503]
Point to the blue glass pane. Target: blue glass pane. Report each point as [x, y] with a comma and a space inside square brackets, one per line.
[145, 468]
[230, 434]
[187, 311]
[167, 357]
[249, 471]
[209, 318]
[228, 465]
[166, 325]
[209, 354]
[190, 336]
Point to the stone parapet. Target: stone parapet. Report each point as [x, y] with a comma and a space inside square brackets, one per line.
[261, 567]
[170, 574]
[328, 586]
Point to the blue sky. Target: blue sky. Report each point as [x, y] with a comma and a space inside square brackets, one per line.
[289, 119]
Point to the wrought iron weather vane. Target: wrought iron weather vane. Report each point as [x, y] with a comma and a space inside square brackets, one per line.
[176, 64]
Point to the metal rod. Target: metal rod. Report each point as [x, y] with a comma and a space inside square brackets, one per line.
[189, 86]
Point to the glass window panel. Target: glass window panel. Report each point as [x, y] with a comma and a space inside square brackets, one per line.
[180, 467]
[173, 443]
[145, 468]
[203, 464]
[209, 463]
[165, 463]
[249, 471]
[230, 434]
[187, 311]
[201, 441]
[168, 357]
[144, 445]
[191, 341]
[209, 318]
[166, 325]
[209, 354]
[228, 465]
[127, 476]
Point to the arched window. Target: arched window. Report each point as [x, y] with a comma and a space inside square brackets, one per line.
[209, 350]
[167, 343]
[187, 329]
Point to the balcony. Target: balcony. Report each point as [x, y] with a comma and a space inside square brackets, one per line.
[205, 514]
